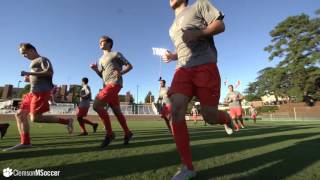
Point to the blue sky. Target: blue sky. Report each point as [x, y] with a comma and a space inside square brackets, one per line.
[67, 32]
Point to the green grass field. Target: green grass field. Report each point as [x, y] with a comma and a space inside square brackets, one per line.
[266, 150]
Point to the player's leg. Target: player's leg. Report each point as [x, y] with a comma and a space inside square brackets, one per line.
[233, 116]
[166, 115]
[39, 105]
[24, 131]
[239, 116]
[179, 128]
[207, 82]
[82, 112]
[123, 123]
[23, 124]
[99, 105]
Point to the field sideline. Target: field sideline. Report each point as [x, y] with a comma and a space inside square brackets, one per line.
[266, 150]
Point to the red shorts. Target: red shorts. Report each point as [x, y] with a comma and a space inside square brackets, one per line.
[202, 81]
[82, 111]
[166, 111]
[235, 112]
[109, 94]
[253, 116]
[36, 102]
[194, 117]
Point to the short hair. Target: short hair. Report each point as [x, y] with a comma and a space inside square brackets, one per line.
[85, 80]
[27, 46]
[164, 81]
[230, 86]
[108, 40]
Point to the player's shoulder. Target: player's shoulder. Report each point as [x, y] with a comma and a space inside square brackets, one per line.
[43, 59]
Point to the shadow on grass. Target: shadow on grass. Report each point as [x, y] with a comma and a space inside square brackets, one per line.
[155, 139]
[108, 168]
[286, 162]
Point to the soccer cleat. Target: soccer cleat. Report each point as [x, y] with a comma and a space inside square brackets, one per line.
[127, 138]
[70, 126]
[3, 130]
[184, 174]
[18, 146]
[107, 140]
[228, 126]
[228, 130]
[83, 134]
[95, 127]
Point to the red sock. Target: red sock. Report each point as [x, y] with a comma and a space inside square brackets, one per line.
[168, 124]
[223, 118]
[88, 122]
[103, 114]
[123, 123]
[63, 121]
[25, 138]
[241, 121]
[82, 126]
[181, 137]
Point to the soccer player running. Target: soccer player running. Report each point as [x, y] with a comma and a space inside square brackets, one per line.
[36, 102]
[234, 98]
[197, 73]
[253, 113]
[83, 107]
[164, 101]
[194, 113]
[3, 129]
[110, 70]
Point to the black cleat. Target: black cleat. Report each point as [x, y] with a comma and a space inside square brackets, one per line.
[127, 138]
[83, 134]
[107, 140]
[95, 127]
[3, 130]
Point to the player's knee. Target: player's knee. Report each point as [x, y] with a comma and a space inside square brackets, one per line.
[20, 115]
[96, 107]
[210, 115]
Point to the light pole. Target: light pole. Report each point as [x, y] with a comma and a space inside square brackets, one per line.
[137, 94]
[19, 83]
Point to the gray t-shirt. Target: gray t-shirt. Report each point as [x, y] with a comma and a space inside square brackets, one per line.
[195, 17]
[40, 84]
[163, 95]
[85, 101]
[232, 99]
[109, 63]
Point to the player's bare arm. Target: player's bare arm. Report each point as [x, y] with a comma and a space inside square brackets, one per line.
[128, 67]
[39, 74]
[94, 67]
[170, 56]
[212, 29]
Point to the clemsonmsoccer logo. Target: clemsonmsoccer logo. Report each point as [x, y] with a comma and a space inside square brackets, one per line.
[7, 172]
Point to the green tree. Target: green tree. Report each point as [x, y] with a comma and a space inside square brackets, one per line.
[295, 45]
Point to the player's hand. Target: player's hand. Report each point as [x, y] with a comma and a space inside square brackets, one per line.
[167, 57]
[24, 73]
[94, 66]
[26, 79]
[190, 35]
